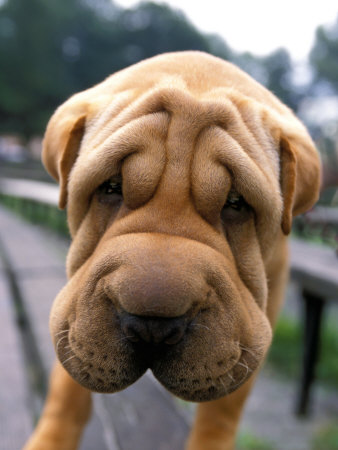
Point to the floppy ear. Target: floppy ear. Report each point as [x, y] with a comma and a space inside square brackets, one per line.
[62, 142]
[300, 176]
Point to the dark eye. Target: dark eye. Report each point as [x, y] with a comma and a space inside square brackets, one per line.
[112, 186]
[235, 201]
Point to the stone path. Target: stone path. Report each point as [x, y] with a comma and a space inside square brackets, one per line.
[128, 420]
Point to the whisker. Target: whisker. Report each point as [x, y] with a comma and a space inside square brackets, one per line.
[60, 332]
[221, 381]
[61, 339]
[231, 377]
[125, 338]
[71, 357]
[246, 367]
[200, 325]
[251, 352]
[240, 381]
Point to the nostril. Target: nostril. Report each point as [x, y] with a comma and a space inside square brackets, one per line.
[134, 329]
[153, 330]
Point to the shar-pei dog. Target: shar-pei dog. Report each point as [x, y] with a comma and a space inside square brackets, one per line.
[181, 175]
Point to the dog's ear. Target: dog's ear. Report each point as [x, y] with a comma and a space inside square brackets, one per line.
[62, 142]
[300, 176]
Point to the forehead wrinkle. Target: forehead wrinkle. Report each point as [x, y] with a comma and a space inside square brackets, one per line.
[94, 167]
[128, 108]
[250, 113]
[243, 133]
[173, 100]
[259, 188]
[258, 169]
[246, 114]
[134, 137]
[201, 116]
[99, 127]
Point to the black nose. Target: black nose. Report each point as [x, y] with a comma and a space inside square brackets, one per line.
[153, 330]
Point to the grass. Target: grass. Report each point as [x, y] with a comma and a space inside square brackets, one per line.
[247, 441]
[286, 350]
[326, 438]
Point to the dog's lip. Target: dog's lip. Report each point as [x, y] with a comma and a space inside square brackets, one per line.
[159, 359]
[217, 387]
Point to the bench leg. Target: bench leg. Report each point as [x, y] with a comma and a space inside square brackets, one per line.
[65, 414]
[313, 306]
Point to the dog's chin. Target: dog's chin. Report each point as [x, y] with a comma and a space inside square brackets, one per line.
[206, 386]
[196, 390]
[176, 376]
[192, 390]
[203, 392]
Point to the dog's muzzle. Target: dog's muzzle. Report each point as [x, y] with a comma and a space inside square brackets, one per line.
[159, 303]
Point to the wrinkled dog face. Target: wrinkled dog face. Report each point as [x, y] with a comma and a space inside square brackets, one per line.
[174, 205]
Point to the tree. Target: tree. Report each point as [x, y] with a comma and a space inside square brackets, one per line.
[274, 72]
[324, 55]
[46, 53]
[51, 49]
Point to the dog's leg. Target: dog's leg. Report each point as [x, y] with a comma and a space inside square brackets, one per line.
[216, 422]
[65, 414]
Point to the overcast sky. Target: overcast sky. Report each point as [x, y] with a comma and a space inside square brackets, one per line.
[259, 26]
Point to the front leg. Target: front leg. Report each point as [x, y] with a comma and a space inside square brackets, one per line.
[216, 422]
[64, 416]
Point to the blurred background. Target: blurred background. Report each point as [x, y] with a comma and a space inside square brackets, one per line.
[52, 49]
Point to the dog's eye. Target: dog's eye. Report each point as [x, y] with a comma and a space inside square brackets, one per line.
[113, 186]
[235, 201]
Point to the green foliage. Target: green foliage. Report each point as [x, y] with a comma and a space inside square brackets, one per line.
[41, 214]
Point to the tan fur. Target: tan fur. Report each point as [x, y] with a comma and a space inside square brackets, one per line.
[184, 130]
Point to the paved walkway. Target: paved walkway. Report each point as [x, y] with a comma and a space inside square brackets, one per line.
[15, 420]
[128, 420]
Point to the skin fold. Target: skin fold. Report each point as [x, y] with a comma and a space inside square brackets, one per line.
[181, 175]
